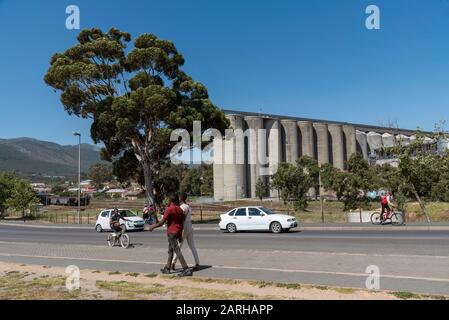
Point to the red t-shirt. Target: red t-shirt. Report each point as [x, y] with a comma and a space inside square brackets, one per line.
[175, 219]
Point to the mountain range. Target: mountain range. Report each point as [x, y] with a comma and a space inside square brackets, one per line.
[28, 156]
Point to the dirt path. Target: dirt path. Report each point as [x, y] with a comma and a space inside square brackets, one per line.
[19, 281]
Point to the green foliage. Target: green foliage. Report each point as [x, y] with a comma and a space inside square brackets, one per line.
[313, 170]
[135, 97]
[352, 185]
[261, 189]
[100, 173]
[58, 189]
[440, 188]
[198, 180]
[294, 181]
[424, 174]
[332, 179]
[22, 196]
[7, 182]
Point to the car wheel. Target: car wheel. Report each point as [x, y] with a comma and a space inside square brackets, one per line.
[231, 228]
[98, 228]
[276, 227]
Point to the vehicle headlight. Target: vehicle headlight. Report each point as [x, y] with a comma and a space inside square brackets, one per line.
[129, 223]
[289, 220]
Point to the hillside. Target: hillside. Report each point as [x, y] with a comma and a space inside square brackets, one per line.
[27, 156]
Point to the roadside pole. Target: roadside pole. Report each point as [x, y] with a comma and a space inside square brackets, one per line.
[79, 174]
[321, 199]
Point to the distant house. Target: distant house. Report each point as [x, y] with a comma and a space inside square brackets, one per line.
[50, 199]
[41, 187]
[132, 195]
[116, 192]
[86, 183]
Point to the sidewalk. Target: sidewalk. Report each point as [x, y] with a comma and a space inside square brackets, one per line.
[412, 226]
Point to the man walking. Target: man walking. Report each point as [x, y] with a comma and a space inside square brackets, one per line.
[174, 216]
[188, 233]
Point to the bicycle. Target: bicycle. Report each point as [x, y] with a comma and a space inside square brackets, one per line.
[116, 238]
[395, 219]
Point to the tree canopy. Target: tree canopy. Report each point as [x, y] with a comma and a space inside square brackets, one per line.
[134, 96]
[100, 173]
[294, 180]
[16, 193]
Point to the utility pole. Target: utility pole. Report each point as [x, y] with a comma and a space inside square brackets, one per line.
[79, 174]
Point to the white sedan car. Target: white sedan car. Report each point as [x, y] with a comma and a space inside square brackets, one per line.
[135, 222]
[256, 218]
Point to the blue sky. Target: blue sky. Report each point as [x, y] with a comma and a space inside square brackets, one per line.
[304, 58]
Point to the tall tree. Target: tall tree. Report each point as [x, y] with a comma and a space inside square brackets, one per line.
[23, 197]
[261, 189]
[352, 185]
[313, 171]
[6, 187]
[135, 97]
[421, 170]
[294, 181]
[100, 173]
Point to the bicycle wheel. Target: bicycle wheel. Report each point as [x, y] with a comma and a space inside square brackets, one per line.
[375, 218]
[111, 240]
[124, 241]
[397, 219]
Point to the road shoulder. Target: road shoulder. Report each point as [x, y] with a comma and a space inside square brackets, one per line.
[50, 282]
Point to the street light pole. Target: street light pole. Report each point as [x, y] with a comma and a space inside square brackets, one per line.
[79, 174]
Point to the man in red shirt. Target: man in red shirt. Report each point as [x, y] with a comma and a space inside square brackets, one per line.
[174, 217]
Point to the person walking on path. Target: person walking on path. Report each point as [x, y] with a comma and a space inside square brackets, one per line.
[187, 233]
[174, 217]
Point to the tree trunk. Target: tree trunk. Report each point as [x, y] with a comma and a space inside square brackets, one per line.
[421, 204]
[322, 209]
[148, 183]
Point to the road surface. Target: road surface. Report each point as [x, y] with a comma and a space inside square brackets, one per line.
[416, 261]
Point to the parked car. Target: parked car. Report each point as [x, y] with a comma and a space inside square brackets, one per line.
[256, 218]
[136, 223]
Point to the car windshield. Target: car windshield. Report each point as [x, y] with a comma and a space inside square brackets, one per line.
[127, 213]
[267, 211]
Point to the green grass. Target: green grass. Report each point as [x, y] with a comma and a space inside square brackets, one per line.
[213, 280]
[294, 286]
[15, 286]
[130, 290]
[345, 290]
[151, 275]
[261, 284]
[333, 211]
[438, 211]
[404, 295]
[133, 274]
[114, 273]
[321, 287]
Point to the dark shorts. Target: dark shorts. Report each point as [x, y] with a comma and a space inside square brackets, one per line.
[385, 208]
[116, 227]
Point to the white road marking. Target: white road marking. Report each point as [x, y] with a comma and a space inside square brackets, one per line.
[319, 253]
[236, 268]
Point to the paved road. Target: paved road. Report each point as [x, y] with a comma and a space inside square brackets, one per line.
[415, 261]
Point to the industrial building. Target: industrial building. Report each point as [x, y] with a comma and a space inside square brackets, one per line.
[261, 141]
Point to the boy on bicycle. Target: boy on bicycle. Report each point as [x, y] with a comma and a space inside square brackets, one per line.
[386, 202]
[114, 221]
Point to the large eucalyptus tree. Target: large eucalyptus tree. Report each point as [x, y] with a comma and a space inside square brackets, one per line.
[134, 96]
